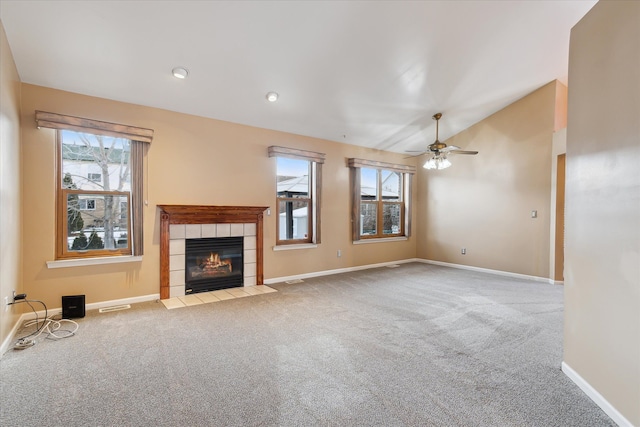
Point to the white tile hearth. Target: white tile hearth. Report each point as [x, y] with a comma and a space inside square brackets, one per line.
[215, 296]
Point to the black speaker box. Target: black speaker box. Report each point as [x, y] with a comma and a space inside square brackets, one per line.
[72, 306]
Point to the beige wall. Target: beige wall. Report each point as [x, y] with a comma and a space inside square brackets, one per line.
[602, 256]
[560, 116]
[192, 160]
[10, 183]
[556, 226]
[483, 203]
[556, 223]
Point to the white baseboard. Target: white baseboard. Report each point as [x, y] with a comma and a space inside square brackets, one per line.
[405, 261]
[597, 398]
[132, 300]
[487, 270]
[6, 345]
[336, 271]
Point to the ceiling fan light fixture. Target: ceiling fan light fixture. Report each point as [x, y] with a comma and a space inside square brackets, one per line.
[439, 151]
[437, 163]
[430, 164]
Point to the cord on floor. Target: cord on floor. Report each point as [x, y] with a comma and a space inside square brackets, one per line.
[51, 326]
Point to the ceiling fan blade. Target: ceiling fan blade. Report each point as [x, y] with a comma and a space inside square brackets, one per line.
[449, 148]
[463, 152]
[418, 154]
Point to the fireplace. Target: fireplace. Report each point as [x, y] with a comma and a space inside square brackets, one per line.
[182, 223]
[213, 263]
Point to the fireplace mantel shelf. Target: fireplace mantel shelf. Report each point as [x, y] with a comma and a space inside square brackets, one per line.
[203, 214]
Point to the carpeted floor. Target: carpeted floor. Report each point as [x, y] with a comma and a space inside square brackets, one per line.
[417, 345]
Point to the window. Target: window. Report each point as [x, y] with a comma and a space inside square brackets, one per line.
[381, 199]
[381, 207]
[298, 177]
[93, 220]
[87, 204]
[294, 199]
[124, 211]
[93, 212]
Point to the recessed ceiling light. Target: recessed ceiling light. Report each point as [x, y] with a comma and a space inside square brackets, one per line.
[272, 97]
[180, 72]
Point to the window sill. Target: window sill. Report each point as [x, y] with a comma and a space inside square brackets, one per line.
[380, 240]
[293, 247]
[79, 262]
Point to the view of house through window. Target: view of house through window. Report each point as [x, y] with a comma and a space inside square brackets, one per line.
[381, 204]
[298, 195]
[381, 199]
[94, 193]
[294, 195]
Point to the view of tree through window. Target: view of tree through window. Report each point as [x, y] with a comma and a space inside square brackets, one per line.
[95, 190]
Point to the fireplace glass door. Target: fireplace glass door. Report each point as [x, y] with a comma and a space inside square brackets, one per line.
[213, 263]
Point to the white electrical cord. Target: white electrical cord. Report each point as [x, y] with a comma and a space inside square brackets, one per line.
[57, 324]
[48, 324]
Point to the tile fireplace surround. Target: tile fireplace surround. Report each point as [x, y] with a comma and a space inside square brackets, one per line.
[181, 222]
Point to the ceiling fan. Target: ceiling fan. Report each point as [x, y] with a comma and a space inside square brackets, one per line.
[439, 151]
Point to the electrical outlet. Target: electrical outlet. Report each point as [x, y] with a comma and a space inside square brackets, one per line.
[339, 253]
[463, 251]
[269, 212]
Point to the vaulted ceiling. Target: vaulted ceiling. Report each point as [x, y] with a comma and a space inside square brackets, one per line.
[369, 73]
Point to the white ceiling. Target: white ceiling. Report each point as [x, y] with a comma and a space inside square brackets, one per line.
[369, 73]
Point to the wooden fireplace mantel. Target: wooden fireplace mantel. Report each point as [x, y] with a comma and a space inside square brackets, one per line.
[201, 214]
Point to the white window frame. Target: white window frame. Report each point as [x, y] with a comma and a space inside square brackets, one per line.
[86, 207]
